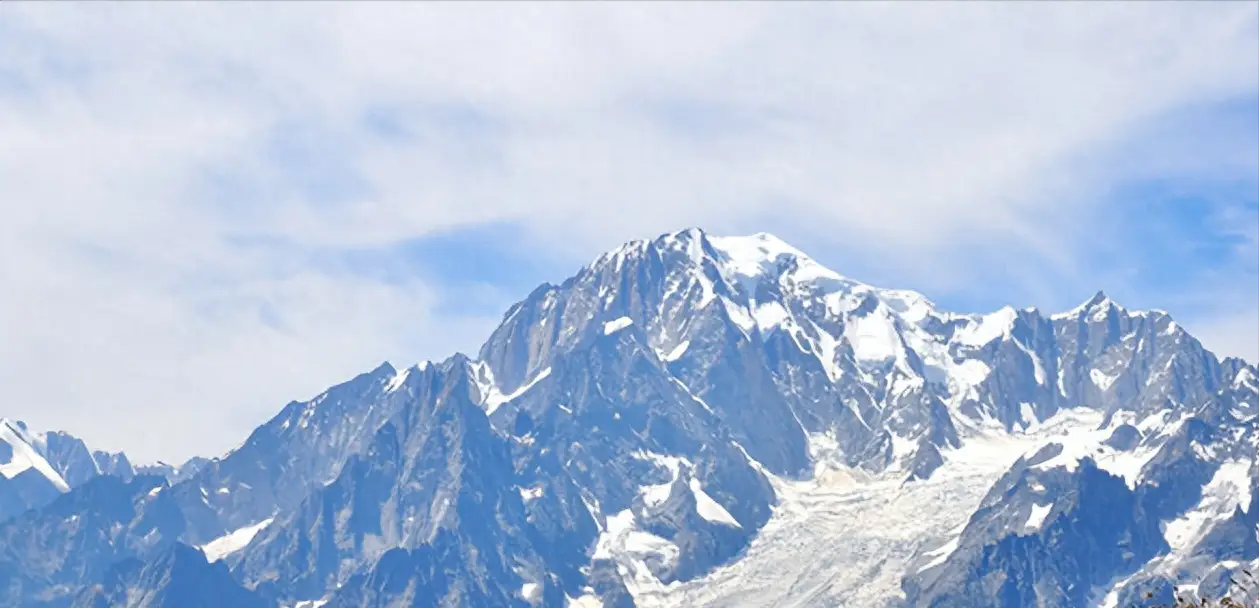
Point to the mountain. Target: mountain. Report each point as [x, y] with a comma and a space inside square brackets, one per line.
[700, 420]
[41, 466]
[178, 577]
[27, 479]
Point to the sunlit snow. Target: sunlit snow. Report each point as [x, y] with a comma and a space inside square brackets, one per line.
[232, 542]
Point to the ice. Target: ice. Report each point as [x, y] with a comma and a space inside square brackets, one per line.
[232, 542]
[616, 325]
[845, 536]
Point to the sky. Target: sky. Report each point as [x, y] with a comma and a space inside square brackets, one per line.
[210, 209]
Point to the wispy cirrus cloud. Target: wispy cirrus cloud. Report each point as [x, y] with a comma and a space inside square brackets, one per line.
[211, 209]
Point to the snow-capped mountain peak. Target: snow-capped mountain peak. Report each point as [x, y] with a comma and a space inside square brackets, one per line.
[669, 425]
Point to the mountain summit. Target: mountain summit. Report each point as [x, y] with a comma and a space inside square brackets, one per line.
[675, 422]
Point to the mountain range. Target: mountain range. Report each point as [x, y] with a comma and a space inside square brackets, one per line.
[691, 420]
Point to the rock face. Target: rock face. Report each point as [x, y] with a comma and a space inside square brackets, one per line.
[178, 577]
[664, 428]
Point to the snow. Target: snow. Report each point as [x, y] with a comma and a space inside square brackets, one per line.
[754, 255]
[1089, 441]
[1101, 379]
[616, 325]
[494, 399]
[677, 351]
[1246, 378]
[845, 537]
[232, 542]
[940, 555]
[987, 328]
[1036, 518]
[739, 315]
[588, 600]
[1027, 413]
[654, 495]
[770, 315]
[970, 373]
[629, 548]
[1037, 368]
[396, 382]
[710, 509]
[533, 493]
[1228, 489]
[873, 337]
[911, 306]
[25, 456]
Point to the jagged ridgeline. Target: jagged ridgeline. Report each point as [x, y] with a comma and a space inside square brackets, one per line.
[692, 420]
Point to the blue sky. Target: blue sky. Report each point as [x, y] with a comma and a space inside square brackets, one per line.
[209, 210]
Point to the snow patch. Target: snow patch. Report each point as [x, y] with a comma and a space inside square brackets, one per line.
[232, 542]
[1246, 378]
[677, 351]
[1036, 518]
[530, 494]
[494, 399]
[616, 325]
[654, 495]
[1101, 379]
[710, 509]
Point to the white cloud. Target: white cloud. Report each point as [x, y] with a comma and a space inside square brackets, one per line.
[138, 144]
